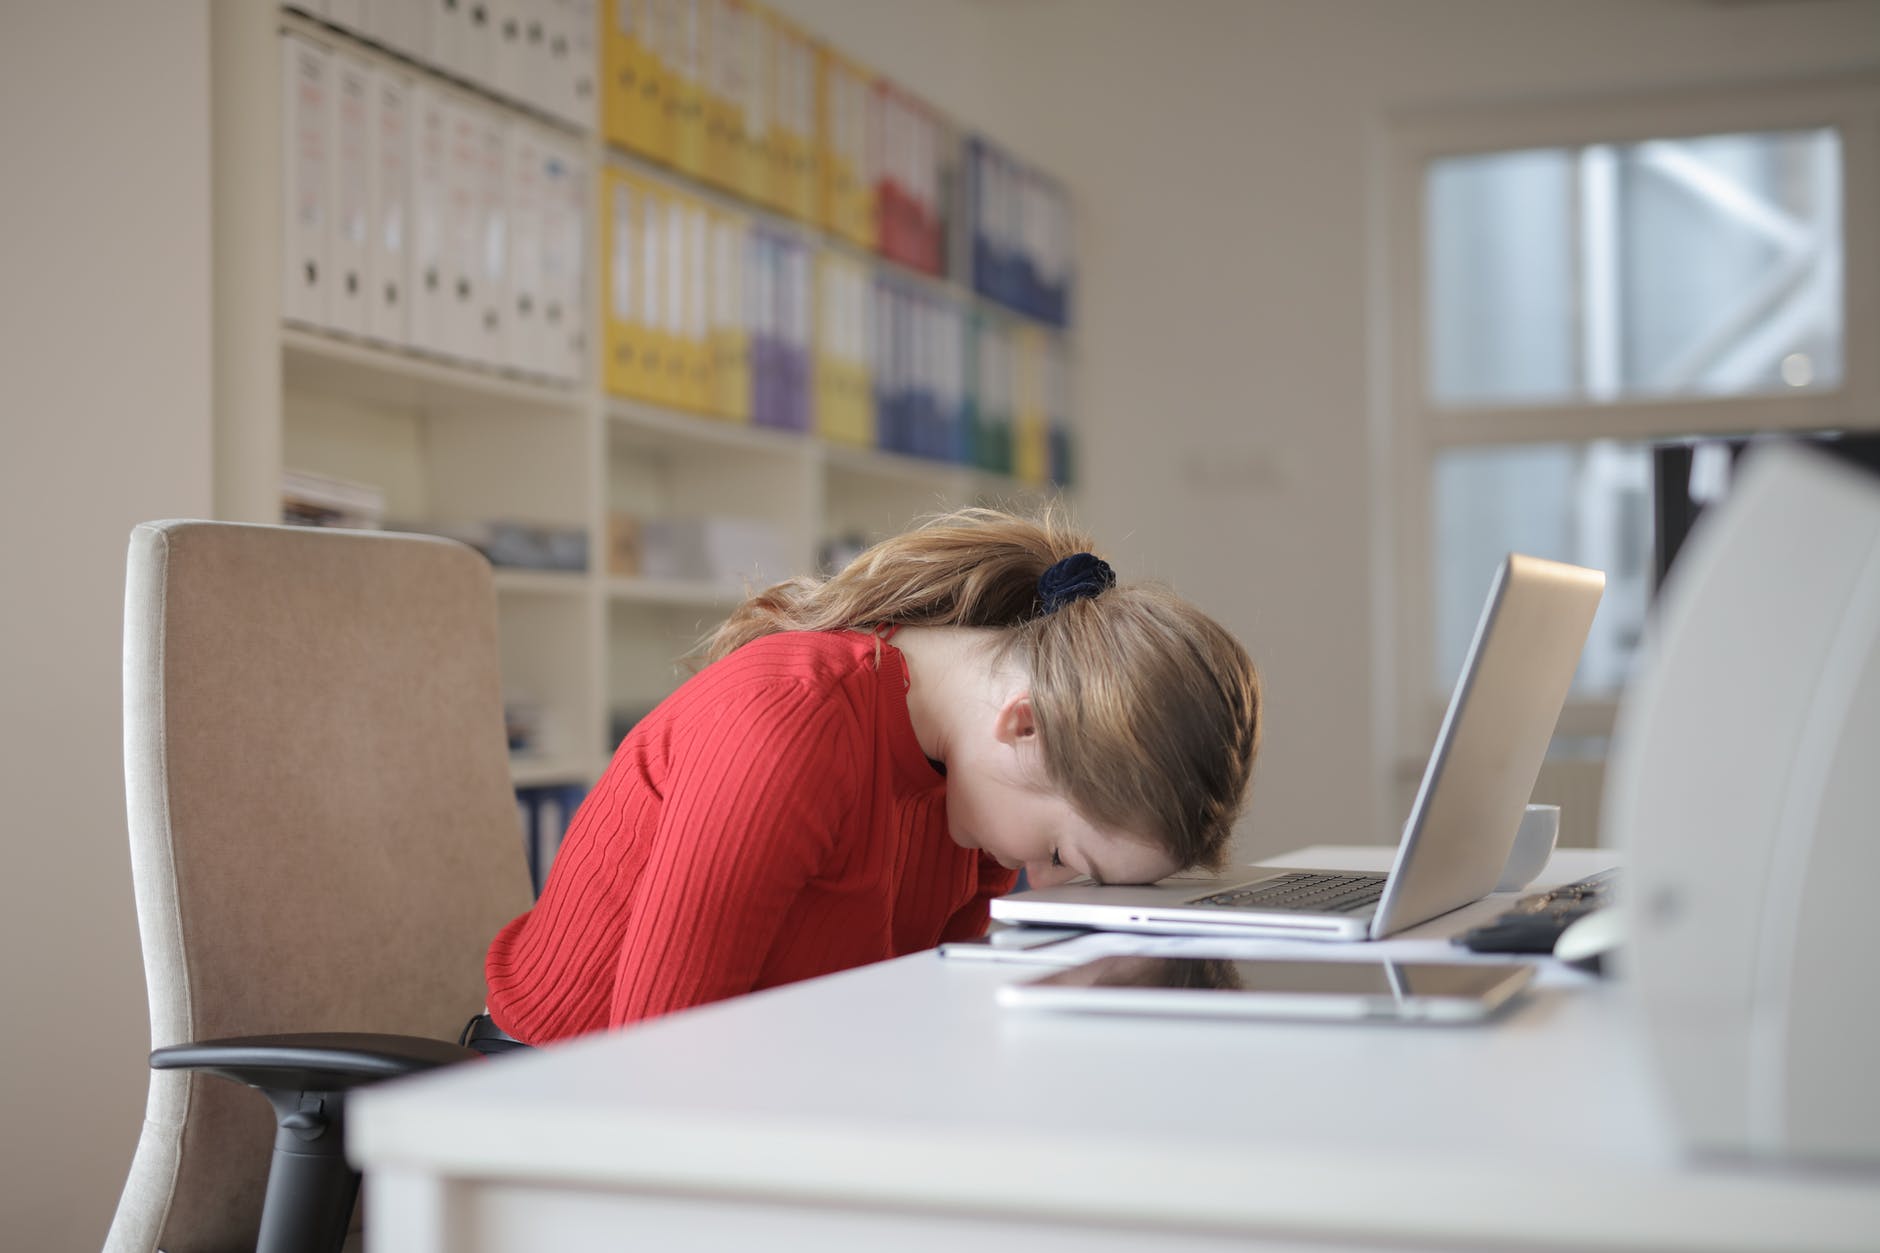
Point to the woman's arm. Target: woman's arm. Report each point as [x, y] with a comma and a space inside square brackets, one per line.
[753, 797]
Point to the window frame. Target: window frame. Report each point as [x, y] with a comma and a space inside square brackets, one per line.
[1409, 429]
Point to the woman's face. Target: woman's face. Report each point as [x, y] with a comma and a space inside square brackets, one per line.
[1000, 800]
[1050, 841]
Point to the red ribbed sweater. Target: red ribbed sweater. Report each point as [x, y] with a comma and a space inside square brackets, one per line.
[772, 820]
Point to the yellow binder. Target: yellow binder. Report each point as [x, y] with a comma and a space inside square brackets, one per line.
[718, 36]
[829, 416]
[687, 104]
[695, 251]
[654, 296]
[760, 38]
[797, 112]
[635, 273]
[621, 57]
[836, 81]
[845, 403]
[662, 31]
[1031, 431]
[636, 117]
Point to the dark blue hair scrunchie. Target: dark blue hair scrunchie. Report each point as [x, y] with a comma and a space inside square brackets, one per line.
[1077, 576]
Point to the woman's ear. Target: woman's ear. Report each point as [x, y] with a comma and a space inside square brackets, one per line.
[1015, 723]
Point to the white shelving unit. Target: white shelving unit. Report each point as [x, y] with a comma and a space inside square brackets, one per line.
[453, 444]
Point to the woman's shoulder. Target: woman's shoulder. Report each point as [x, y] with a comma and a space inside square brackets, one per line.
[810, 655]
[828, 678]
[819, 664]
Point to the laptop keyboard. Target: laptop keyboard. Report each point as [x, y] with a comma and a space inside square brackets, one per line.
[1303, 891]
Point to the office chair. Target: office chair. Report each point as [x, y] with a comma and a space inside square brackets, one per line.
[323, 840]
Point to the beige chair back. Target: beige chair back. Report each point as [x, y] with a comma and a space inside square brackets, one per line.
[323, 832]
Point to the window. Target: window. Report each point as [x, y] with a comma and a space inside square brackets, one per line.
[1701, 266]
[1565, 289]
[1589, 504]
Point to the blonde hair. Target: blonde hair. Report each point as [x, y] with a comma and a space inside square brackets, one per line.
[1148, 711]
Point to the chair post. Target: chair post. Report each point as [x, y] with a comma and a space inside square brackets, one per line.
[311, 1186]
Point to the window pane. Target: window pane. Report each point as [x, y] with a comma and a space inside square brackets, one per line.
[1689, 267]
[1493, 338]
[1585, 503]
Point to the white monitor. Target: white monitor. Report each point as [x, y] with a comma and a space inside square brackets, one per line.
[1744, 792]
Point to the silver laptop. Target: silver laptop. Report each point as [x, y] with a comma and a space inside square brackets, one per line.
[1461, 826]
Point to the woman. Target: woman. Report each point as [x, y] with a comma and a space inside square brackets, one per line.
[869, 758]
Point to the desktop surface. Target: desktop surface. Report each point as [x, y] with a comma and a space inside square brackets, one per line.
[903, 1086]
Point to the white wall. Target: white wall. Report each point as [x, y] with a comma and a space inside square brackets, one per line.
[104, 421]
[1216, 150]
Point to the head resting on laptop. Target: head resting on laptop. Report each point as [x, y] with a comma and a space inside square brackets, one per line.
[1085, 727]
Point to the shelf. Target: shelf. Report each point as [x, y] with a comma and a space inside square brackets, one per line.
[454, 441]
[324, 364]
[820, 235]
[510, 579]
[675, 593]
[658, 425]
[1003, 487]
[882, 464]
[531, 771]
[895, 467]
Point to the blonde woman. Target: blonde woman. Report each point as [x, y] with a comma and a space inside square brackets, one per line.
[869, 758]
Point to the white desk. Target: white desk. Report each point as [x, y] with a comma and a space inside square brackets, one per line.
[897, 1107]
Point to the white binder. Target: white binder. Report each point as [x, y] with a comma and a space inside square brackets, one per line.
[475, 47]
[548, 66]
[431, 280]
[402, 25]
[564, 259]
[509, 65]
[527, 340]
[575, 95]
[447, 36]
[388, 255]
[306, 150]
[349, 193]
[531, 66]
[489, 337]
[462, 194]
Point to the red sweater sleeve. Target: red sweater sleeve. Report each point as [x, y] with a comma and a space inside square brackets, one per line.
[752, 801]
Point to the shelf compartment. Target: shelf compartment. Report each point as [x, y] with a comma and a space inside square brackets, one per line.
[514, 580]
[531, 770]
[896, 466]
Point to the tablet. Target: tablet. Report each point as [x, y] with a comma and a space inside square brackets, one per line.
[1227, 988]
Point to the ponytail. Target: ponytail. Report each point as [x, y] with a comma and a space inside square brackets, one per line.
[970, 568]
[1148, 710]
